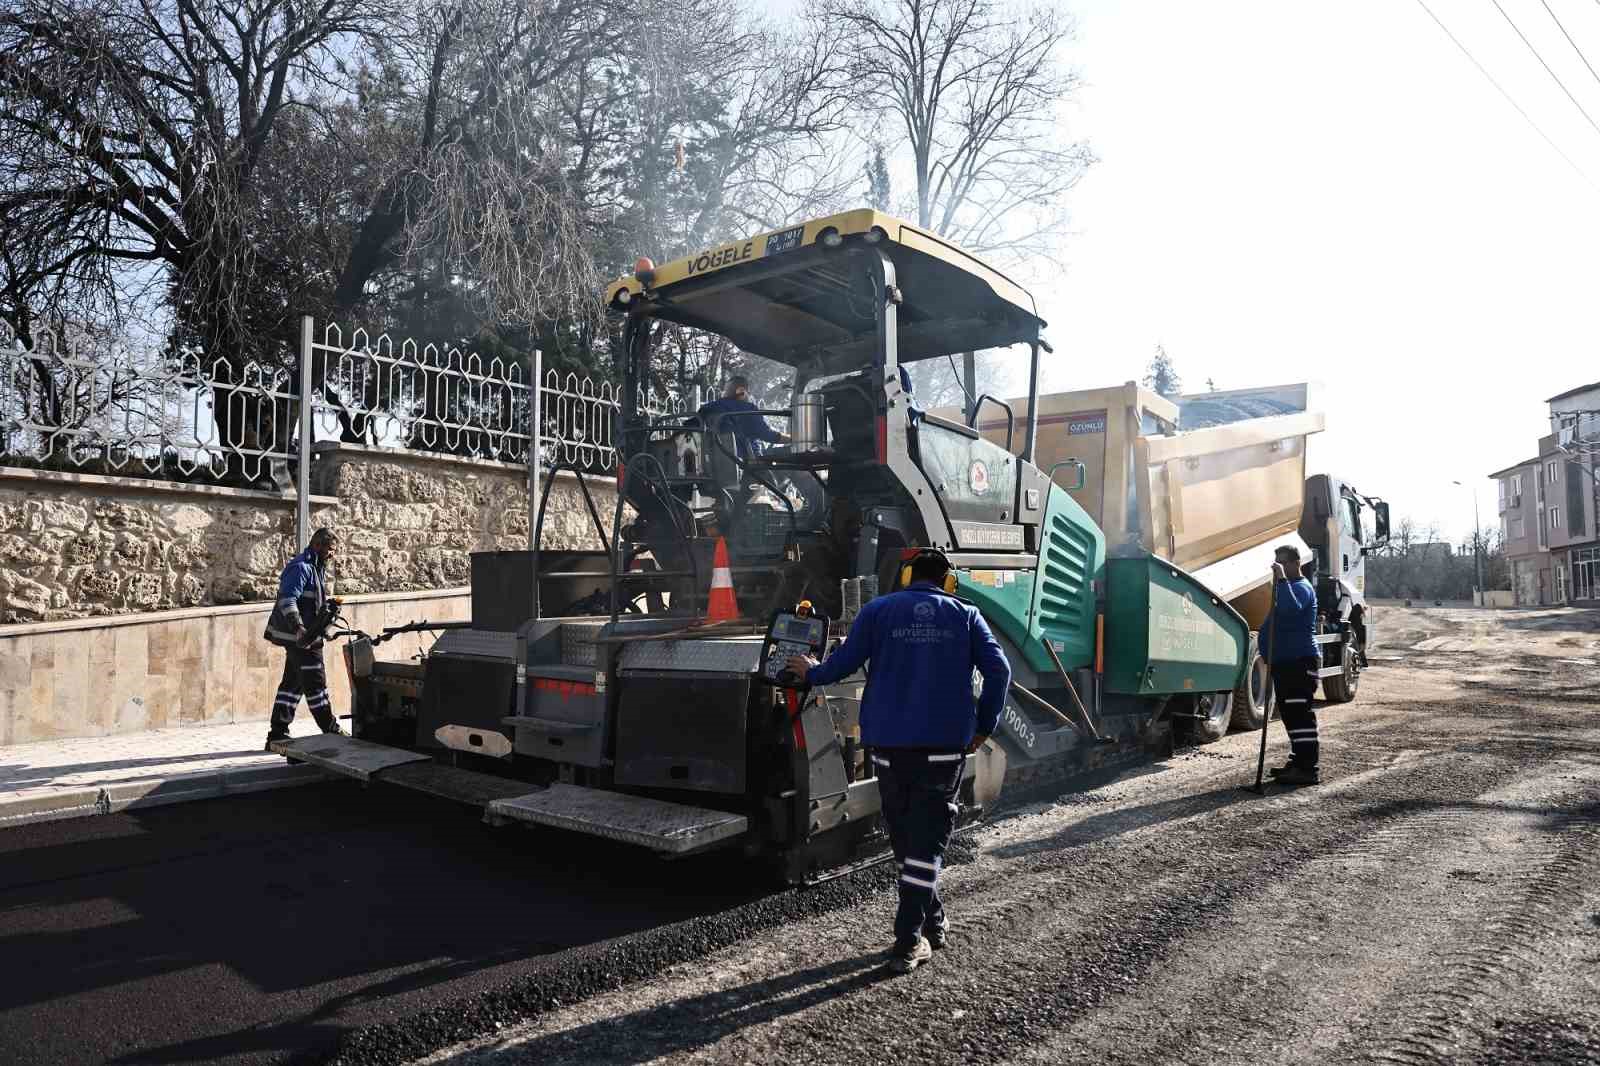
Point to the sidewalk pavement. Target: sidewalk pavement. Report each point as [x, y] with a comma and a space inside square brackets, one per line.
[55, 779]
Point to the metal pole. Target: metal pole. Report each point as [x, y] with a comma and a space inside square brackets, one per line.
[969, 375]
[1260, 787]
[535, 410]
[1477, 548]
[1032, 431]
[302, 517]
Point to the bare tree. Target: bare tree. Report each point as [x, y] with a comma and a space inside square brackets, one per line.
[474, 204]
[974, 88]
[131, 132]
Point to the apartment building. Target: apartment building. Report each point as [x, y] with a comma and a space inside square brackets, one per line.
[1575, 535]
[1550, 505]
[1527, 550]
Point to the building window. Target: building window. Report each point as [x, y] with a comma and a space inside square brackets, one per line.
[1561, 582]
[1555, 518]
[1586, 573]
[1552, 471]
[1516, 528]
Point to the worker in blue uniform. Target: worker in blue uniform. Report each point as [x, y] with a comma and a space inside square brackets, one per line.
[302, 594]
[1290, 640]
[919, 721]
[734, 413]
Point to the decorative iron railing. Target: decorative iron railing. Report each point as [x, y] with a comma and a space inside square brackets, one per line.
[80, 401]
[76, 400]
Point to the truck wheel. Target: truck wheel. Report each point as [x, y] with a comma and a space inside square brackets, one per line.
[1205, 718]
[1250, 698]
[1341, 688]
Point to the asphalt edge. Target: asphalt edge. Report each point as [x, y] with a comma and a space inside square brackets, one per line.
[33, 806]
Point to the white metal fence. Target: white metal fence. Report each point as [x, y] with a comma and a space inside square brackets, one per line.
[77, 400]
[445, 399]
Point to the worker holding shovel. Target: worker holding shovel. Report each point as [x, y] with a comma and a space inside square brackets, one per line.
[1290, 639]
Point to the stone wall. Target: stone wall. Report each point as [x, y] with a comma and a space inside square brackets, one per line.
[139, 604]
[84, 545]
[411, 521]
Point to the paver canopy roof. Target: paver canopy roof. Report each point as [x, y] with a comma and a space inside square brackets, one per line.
[802, 294]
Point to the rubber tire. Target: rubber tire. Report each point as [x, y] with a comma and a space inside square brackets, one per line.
[1246, 712]
[1206, 730]
[1342, 689]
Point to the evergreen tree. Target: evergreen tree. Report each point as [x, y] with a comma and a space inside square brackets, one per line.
[1162, 376]
[877, 175]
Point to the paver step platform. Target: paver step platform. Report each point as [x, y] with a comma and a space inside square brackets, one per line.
[673, 828]
[670, 828]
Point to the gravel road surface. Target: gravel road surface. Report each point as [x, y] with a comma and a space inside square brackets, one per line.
[1437, 899]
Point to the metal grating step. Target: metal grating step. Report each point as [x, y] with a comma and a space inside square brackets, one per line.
[360, 759]
[674, 828]
[452, 783]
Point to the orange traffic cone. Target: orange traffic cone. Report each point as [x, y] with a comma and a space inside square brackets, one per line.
[721, 606]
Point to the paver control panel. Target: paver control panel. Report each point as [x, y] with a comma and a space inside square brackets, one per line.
[797, 632]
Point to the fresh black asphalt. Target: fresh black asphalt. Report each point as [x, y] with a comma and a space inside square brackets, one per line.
[269, 927]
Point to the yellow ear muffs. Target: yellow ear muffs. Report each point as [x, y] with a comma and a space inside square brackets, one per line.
[949, 579]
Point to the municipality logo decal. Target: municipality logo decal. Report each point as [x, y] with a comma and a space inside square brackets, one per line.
[923, 612]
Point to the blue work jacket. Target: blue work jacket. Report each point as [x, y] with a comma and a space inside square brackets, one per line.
[919, 647]
[741, 418]
[1293, 623]
[302, 590]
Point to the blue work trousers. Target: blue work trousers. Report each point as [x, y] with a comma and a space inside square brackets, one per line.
[920, 793]
[1295, 683]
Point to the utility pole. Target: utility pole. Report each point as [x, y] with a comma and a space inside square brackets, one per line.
[1477, 541]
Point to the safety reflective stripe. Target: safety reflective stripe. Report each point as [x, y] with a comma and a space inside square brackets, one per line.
[279, 633]
[876, 761]
[721, 578]
[908, 879]
[313, 666]
[923, 865]
[1297, 702]
[286, 601]
[1303, 732]
[946, 758]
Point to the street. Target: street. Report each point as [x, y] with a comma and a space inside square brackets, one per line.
[1435, 900]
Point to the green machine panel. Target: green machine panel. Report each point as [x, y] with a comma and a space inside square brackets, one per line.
[1057, 600]
[1166, 633]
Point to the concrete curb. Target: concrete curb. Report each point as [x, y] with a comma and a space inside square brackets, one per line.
[31, 806]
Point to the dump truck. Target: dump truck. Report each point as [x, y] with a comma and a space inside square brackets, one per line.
[1215, 482]
[644, 723]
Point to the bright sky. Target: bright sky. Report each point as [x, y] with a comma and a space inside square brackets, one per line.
[1293, 191]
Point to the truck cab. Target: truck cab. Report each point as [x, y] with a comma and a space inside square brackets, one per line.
[1341, 526]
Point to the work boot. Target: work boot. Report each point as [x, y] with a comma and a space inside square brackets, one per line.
[937, 934]
[1279, 771]
[273, 738]
[903, 958]
[333, 727]
[1295, 774]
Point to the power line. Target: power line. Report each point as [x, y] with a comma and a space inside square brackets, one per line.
[1545, 65]
[1570, 41]
[1501, 89]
